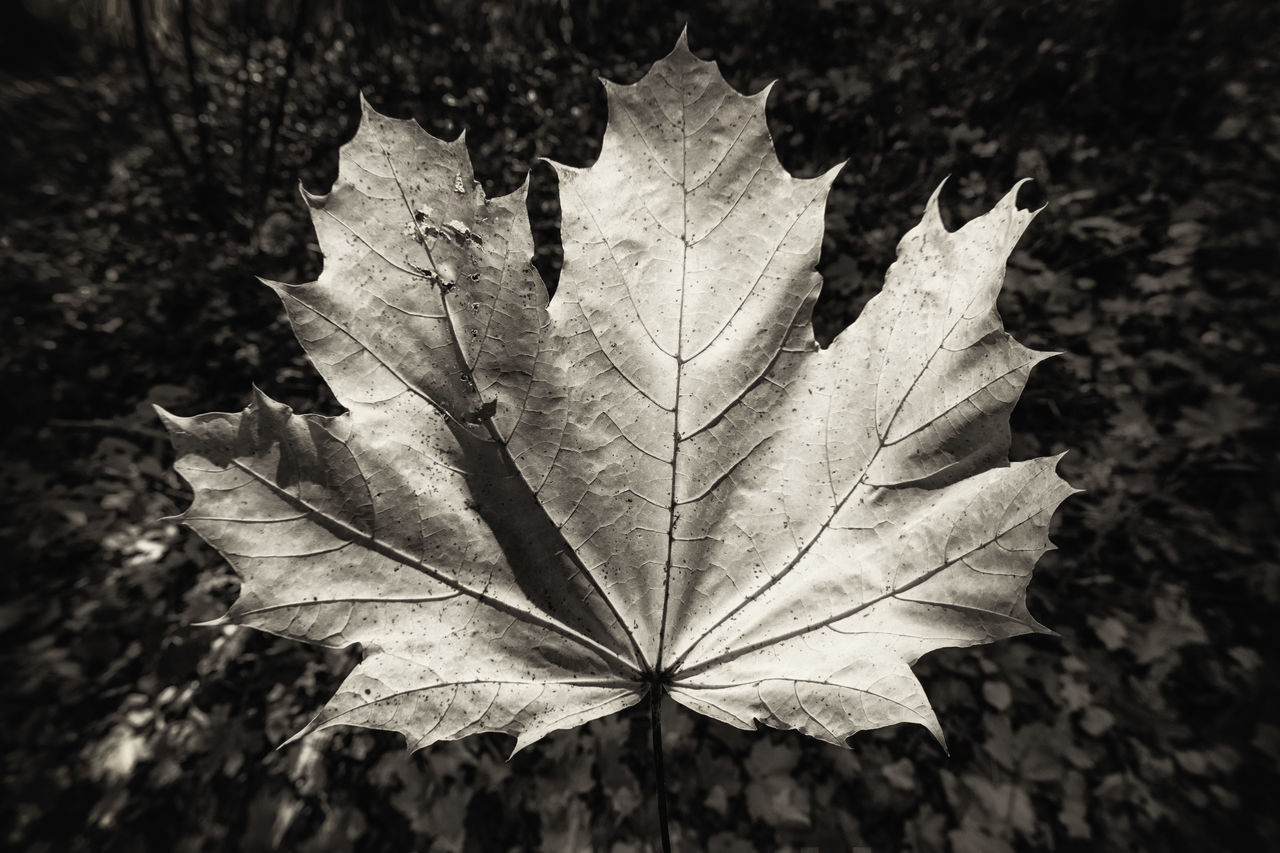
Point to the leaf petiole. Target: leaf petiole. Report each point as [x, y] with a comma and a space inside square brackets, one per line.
[655, 728]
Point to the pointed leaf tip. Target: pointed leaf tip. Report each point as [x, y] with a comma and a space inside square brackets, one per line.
[1029, 196]
[932, 208]
[297, 736]
[315, 201]
[681, 52]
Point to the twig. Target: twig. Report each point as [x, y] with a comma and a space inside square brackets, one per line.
[195, 92]
[277, 118]
[153, 87]
[246, 53]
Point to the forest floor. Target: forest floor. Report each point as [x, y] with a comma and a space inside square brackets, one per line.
[1150, 723]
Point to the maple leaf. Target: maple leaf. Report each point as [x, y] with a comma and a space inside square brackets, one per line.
[535, 511]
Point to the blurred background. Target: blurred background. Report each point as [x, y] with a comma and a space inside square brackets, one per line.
[151, 159]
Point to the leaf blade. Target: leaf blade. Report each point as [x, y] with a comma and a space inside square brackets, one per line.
[655, 477]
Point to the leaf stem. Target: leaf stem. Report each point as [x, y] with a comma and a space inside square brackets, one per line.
[655, 727]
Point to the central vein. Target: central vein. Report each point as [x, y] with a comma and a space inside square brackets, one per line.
[675, 410]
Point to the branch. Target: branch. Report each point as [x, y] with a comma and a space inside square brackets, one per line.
[277, 118]
[246, 52]
[153, 87]
[196, 93]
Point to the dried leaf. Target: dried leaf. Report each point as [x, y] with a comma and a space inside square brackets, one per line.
[534, 511]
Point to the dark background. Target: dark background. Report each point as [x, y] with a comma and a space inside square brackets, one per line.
[135, 216]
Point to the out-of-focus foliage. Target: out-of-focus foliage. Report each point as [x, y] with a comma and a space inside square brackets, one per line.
[1150, 126]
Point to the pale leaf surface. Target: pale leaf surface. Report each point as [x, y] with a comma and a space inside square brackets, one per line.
[534, 510]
